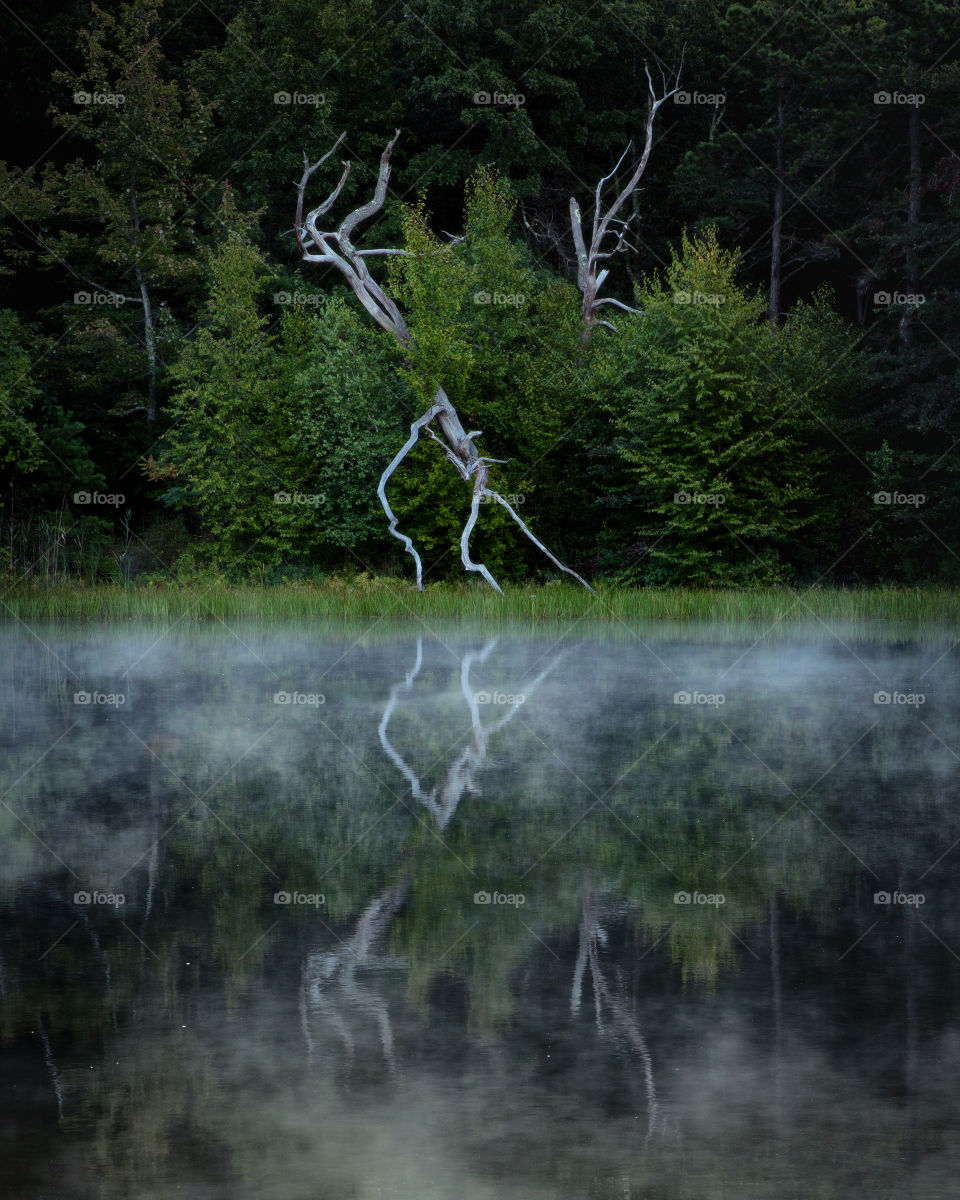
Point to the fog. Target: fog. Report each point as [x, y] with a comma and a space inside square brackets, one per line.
[572, 910]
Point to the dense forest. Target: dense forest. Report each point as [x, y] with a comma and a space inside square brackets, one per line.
[772, 399]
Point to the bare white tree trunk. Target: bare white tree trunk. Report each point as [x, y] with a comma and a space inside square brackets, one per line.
[336, 248]
[590, 275]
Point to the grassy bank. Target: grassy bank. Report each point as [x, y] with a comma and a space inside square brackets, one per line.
[394, 600]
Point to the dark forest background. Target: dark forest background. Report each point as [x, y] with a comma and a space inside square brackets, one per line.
[179, 394]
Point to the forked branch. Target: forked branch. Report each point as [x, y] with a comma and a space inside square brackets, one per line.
[335, 247]
[609, 224]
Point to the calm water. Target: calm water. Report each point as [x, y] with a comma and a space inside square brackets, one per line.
[577, 914]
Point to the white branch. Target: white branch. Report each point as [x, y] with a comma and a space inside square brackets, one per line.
[478, 490]
[335, 248]
[536, 541]
[401, 454]
[589, 280]
[618, 303]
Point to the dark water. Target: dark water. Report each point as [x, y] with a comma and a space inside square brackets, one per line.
[485, 982]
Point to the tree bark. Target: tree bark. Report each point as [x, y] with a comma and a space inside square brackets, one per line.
[336, 248]
[913, 212]
[590, 276]
[776, 233]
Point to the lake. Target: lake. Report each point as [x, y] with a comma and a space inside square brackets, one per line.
[322, 913]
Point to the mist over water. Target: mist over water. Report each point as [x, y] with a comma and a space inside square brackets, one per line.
[556, 912]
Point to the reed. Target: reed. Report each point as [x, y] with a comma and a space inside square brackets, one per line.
[367, 597]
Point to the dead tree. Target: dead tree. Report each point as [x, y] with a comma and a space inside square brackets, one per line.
[590, 273]
[336, 248]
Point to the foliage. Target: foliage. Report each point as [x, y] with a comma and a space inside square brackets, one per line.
[277, 440]
[714, 425]
[851, 107]
[19, 442]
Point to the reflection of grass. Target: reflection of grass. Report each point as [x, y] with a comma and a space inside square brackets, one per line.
[363, 597]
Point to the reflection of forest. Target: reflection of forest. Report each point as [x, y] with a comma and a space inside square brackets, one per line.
[660, 1037]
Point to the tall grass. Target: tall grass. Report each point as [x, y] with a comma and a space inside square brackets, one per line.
[365, 598]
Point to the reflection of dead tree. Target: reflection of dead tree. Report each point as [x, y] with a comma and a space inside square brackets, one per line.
[52, 1067]
[335, 248]
[442, 800]
[331, 987]
[623, 1024]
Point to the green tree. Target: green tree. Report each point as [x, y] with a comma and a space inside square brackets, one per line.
[277, 441]
[501, 336]
[716, 412]
[120, 221]
[19, 442]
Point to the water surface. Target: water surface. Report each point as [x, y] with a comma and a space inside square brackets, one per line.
[445, 912]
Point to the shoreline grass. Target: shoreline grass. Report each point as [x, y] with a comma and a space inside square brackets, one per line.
[395, 600]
